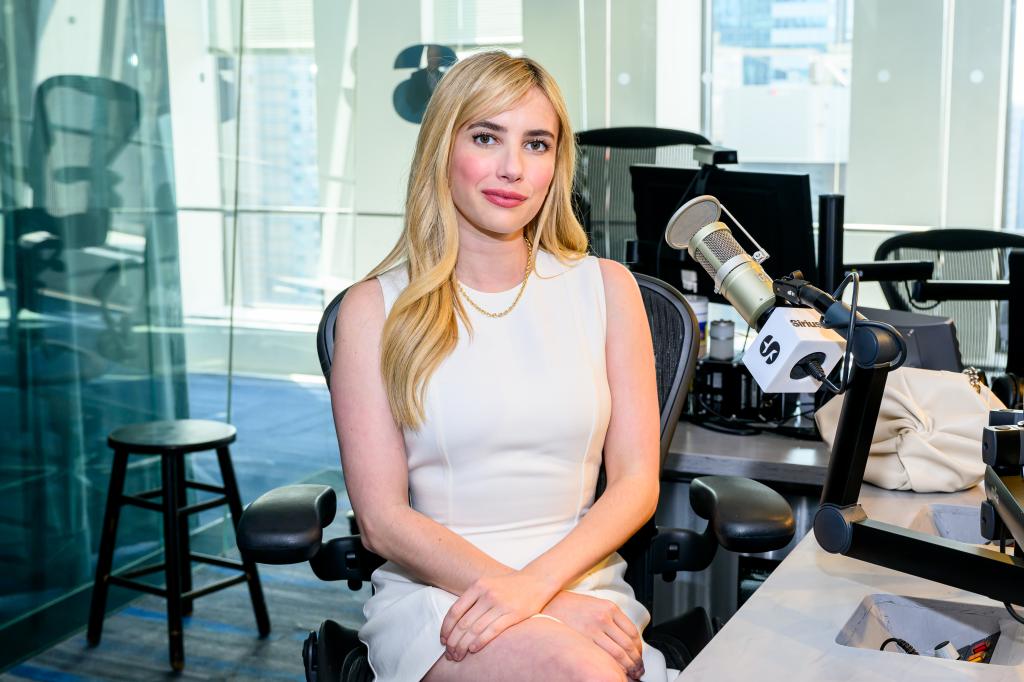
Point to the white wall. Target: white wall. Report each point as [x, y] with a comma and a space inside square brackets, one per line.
[70, 41]
[191, 72]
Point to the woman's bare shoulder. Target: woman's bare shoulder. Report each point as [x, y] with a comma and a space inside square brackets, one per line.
[363, 306]
[619, 282]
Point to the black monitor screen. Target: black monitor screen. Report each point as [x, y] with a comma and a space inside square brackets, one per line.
[774, 207]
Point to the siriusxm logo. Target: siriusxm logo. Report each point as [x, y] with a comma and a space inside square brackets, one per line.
[804, 323]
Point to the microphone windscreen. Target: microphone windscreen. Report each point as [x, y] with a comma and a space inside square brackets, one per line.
[691, 217]
[714, 249]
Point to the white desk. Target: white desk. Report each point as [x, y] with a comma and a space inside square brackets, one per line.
[787, 629]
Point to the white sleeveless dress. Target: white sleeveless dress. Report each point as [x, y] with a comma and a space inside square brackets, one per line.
[508, 455]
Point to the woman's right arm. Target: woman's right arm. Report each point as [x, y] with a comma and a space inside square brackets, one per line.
[374, 459]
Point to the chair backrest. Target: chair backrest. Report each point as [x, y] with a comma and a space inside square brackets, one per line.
[603, 193]
[959, 254]
[673, 330]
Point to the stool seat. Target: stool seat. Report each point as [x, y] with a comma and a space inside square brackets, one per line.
[177, 436]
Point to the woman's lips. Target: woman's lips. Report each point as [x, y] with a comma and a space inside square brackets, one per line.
[503, 198]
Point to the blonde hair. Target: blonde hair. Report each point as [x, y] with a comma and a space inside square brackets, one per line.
[422, 328]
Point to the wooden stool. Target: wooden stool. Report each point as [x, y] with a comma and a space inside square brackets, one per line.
[172, 440]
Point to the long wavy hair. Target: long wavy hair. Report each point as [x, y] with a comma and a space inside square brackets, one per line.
[422, 328]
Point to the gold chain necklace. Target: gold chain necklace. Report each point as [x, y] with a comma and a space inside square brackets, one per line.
[522, 287]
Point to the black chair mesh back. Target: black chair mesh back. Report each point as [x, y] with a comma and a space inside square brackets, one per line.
[325, 336]
[604, 193]
[674, 333]
[959, 254]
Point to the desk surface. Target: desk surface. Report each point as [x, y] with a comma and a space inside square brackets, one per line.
[787, 629]
[696, 451]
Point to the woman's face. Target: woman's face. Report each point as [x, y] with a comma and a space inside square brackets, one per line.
[501, 166]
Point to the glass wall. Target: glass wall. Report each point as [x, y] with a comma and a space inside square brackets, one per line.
[92, 307]
[184, 184]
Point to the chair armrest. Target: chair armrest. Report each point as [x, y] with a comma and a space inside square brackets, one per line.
[345, 559]
[745, 516]
[285, 525]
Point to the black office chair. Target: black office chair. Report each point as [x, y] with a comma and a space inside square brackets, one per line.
[958, 254]
[286, 524]
[603, 195]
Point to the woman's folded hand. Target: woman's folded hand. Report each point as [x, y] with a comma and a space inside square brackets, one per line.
[603, 623]
[489, 607]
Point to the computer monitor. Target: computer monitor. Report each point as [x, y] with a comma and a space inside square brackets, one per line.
[774, 207]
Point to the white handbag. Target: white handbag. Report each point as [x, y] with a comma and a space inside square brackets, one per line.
[928, 434]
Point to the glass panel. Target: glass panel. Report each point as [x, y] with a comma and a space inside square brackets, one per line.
[92, 317]
[1014, 212]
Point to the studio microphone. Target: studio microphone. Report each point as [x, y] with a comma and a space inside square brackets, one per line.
[740, 278]
[792, 351]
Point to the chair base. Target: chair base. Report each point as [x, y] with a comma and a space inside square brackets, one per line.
[682, 638]
[334, 654]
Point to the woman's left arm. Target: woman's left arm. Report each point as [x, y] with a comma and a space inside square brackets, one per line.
[631, 462]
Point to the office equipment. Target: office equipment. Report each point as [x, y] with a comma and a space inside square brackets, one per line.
[841, 525]
[774, 207]
[972, 268]
[285, 525]
[602, 194]
[172, 441]
[793, 352]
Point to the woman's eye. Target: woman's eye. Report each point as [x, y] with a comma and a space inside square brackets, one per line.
[537, 146]
[484, 138]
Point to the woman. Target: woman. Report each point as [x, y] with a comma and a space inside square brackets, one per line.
[480, 371]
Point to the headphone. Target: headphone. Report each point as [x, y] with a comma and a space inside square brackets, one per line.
[1009, 388]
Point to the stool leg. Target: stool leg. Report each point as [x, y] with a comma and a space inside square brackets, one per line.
[108, 537]
[184, 545]
[172, 560]
[259, 607]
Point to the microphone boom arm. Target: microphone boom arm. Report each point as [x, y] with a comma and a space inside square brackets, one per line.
[872, 344]
[841, 526]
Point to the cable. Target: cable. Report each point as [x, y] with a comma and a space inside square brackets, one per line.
[913, 303]
[815, 369]
[1013, 613]
[901, 643]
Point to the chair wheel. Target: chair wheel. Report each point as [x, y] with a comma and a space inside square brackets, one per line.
[336, 654]
[309, 662]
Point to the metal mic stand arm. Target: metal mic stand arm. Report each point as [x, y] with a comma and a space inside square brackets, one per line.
[841, 525]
